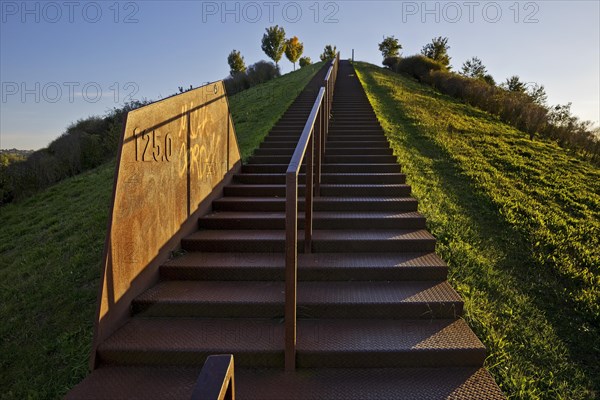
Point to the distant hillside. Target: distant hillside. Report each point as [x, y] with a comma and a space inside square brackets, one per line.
[50, 258]
[8, 156]
[518, 221]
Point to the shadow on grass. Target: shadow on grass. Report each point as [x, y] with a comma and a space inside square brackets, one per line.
[543, 289]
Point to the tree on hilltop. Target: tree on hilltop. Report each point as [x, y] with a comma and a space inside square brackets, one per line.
[293, 50]
[273, 43]
[437, 50]
[236, 63]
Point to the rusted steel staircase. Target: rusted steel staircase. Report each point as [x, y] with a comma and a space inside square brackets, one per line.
[376, 316]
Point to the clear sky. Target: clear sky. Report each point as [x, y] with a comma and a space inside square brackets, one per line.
[65, 60]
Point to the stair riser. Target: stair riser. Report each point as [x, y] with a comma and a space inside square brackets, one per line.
[355, 144]
[358, 159]
[364, 152]
[318, 206]
[273, 152]
[326, 168]
[325, 178]
[318, 246]
[335, 223]
[305, 310]
[257, 273]
[280, 145]
[274, 159]
[356, 138]
[345, 191]
[188, 358]
[388, 359]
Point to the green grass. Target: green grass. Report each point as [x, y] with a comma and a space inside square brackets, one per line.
[518, 223]
[50, 251]
[50, 259]
[257, 109]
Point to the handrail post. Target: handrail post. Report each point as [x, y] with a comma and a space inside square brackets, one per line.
[318, 152]
[291, 268]
[308, 202]
[305, 143]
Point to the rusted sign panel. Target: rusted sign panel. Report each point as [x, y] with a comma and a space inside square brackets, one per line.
[174, 154]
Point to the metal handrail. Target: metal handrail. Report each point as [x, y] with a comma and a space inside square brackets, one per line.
[317, 123]
[216, 380]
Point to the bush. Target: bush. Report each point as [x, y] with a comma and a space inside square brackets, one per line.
[391, 62]
[305, 61]
[256, 74]
[418, 67]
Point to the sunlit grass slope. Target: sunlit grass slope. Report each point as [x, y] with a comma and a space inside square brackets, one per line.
[50, 259]
[518, 221]
[257, 109]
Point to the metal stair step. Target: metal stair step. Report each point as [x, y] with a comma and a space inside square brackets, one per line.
[230, 299]
[324, 241]
[312, 266]
[321, 220]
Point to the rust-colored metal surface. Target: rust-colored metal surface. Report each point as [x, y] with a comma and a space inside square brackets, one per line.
[174, 155]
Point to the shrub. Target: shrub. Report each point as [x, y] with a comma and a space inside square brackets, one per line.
[418, 67]
[305, 61]
[256, 74]
[391, 62]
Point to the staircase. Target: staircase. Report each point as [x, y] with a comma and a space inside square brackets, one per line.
[376, 316]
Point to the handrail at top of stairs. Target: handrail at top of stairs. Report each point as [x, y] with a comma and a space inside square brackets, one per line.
[216, 380]
[317, 123]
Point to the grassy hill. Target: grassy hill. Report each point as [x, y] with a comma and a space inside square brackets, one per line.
[518, 221]
[50, 259]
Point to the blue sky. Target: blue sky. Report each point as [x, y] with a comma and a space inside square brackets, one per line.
[65, 60]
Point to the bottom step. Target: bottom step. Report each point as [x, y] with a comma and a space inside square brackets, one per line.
[274, 384]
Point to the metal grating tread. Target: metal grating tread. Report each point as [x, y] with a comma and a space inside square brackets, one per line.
[331, 299]
[365, 384]
[382, 336]
[166, 383]
[235, 199]
[375, 215]
[314, 260]
[320, 342]
[318, 235]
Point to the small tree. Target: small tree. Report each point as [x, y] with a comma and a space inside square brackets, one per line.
[514, 84]
[293, 50]
[538, 94]
[329, 53]
[236, 63]
[474, 68]
[437, 50]
[305, 61]
[390, 47]
[273, 43]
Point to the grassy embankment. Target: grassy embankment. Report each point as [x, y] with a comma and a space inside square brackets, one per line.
[50, 256]
[518, 221]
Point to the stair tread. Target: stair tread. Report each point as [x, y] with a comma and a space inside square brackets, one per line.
[316, 215]
[341, 235]
[309, 293]
[256, 335]
[236, 199]
[128, 382]
[312, 260]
